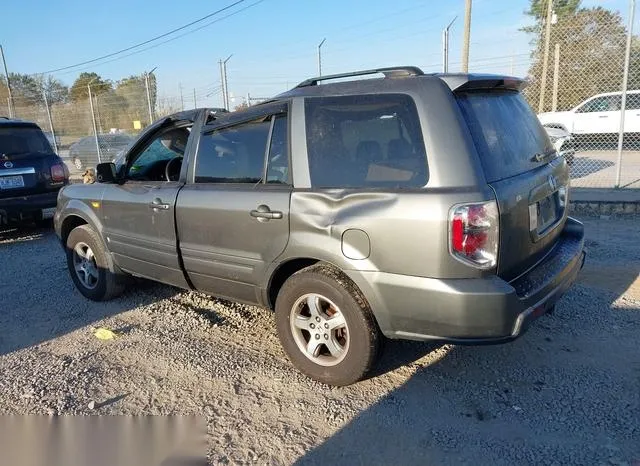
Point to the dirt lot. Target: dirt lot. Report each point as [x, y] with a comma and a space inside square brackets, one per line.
[568, 392]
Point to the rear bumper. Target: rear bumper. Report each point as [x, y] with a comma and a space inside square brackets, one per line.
[473, 311]
[35, 206]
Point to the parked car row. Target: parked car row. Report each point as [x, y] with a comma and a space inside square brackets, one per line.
[423, 207]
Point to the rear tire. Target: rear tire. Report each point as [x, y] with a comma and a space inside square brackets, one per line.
[88, 265]
[326, 326]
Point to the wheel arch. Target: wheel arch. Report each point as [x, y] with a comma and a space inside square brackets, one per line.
[76, 214]
[282, 273]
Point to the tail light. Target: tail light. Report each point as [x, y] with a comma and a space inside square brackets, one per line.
[58, 173]
[473, 234]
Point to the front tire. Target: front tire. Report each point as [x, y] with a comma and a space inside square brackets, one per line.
[326, 326]
[88, 265]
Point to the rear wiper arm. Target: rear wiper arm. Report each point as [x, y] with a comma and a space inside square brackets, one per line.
[541, 156]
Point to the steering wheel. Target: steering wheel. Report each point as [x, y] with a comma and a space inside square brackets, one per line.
[172, 169]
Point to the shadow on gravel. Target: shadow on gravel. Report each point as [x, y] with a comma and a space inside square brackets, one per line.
[39, 301]
[564, 393]
[399, 353]
[585, 166]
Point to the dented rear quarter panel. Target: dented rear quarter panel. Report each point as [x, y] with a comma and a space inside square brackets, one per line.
[407, 229]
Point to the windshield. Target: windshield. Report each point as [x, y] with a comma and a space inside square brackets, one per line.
[19, 140]
[507, 134]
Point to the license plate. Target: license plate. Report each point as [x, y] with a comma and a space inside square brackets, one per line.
[11, 182]
[547, 212]
[48, 213]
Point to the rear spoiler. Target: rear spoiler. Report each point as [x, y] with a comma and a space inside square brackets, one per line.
[474, 82]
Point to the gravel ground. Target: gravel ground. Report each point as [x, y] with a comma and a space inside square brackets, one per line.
[568, 392]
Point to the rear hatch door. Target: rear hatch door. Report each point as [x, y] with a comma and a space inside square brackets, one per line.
[25, 159]
[520, 164]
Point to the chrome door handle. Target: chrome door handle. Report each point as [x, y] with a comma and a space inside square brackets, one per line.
[158, 204]
[263, 212]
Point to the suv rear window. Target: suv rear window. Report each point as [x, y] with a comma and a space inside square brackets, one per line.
[365, 141]
[23, 140]
[506, 132]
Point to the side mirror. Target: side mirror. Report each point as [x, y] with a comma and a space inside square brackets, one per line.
[106, 173]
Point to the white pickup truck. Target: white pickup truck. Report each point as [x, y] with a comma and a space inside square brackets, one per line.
[598, 115]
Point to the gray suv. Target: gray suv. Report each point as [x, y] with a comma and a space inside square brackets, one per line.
[414, 206]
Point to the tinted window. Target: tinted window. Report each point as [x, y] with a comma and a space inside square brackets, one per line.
[278, 163]
[609, 103]
[365, 141]
[506, 132]
[17, 140]
[633, 102]
[151, 162]
[233, 155]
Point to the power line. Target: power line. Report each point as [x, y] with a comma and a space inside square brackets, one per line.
[172, 38]
[147, 41]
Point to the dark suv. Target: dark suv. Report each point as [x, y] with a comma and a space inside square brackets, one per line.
[424, 207]
[31, 174]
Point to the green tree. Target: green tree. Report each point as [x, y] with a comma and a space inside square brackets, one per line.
[29, 89]
[592, 47]
[538, 8]
[25, 89]
[133, 90]
[79, 90]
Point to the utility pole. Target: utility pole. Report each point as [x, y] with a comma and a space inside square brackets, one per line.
[320, 57]
[556, 77]
[445, 47]
[181, 97]
[146, 84]
[625, 82]
[93, 117]
[6, 74]
[467, 37]
[248, 100]
[545, 56]
[225, 87]
[195, 104]
[53, 133]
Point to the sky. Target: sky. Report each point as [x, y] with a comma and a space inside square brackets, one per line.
[273, 43]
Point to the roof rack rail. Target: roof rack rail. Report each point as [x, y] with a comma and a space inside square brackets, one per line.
[391, 72]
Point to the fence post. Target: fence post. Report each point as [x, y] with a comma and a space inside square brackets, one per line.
[545, 56]
[556, 77]
[53, 133]
[93, 118]
[625, 79]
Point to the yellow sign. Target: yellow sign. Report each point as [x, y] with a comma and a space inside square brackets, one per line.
[137, 124]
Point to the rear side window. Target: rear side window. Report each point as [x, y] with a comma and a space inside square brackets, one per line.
[21, 140]
[506, 132]
[233, 155]
[365, 141]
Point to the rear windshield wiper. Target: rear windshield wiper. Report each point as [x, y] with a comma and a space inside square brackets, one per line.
[542, 156]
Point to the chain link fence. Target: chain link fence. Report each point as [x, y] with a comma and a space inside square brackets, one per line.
[90, 130]
[577, 86]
